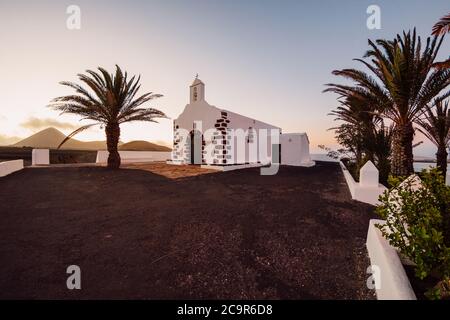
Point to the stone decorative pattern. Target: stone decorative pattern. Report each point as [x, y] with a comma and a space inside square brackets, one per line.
[181, 151]
[221, 140]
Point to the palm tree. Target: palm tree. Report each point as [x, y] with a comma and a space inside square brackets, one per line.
[436, 127]
[402, 82]
[381, 146]
[109, 102]
[359, 120]
[363, 132]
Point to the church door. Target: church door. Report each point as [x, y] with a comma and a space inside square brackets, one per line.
[196, 147]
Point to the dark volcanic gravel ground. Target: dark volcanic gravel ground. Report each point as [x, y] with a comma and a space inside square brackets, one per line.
[139, 234]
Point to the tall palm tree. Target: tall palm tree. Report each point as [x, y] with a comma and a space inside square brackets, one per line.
[435, 125]
[402, 82]
[109, 102]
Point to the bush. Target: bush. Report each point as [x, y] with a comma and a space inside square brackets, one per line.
[417, 219]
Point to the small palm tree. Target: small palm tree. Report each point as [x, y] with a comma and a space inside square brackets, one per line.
[435, 125]
[381, 146]
[360, 117]
[110, 102]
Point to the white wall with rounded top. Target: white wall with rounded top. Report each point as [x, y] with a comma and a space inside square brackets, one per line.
[368, 189]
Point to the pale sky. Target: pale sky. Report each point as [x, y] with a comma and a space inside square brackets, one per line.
[268, 60]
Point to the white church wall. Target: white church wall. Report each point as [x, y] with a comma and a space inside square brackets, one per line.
[204, 117]
[258, 139]
[198, 111]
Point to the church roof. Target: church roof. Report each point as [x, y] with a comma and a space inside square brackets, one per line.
[196, 81]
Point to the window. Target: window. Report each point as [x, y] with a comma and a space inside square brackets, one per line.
[195, 93]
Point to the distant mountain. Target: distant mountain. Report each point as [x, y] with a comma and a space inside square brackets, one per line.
[140, 145]
[50, 138]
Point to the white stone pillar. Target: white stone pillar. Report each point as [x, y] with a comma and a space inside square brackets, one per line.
[40, 157]
[368, 175]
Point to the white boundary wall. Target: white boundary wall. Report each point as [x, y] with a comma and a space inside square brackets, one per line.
[135, 156]
[364, 192]
[394, 283]
[9, 167]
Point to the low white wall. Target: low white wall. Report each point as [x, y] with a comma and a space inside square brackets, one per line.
[351, 183]
[40, 157]
[394, 283]
[322, 157]
[135, 156]
[9, 167]
[363, 193]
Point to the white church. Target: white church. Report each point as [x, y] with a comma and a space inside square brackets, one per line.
[214, 137]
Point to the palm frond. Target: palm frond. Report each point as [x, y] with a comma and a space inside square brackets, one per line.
[442, 26]
[435, 123]
[442, 65]
[81, 129]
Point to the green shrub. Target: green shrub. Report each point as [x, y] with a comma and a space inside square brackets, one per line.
[417, 220]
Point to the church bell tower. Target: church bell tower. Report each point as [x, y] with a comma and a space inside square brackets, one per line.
[197, 90]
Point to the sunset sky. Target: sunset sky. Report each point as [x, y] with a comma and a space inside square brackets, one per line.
[268, 60]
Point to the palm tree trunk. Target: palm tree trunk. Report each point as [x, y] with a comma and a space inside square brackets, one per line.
[441, 158]
[402, 151]
[112, 131]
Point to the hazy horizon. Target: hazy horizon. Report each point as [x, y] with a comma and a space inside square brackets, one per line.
[268, 60]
